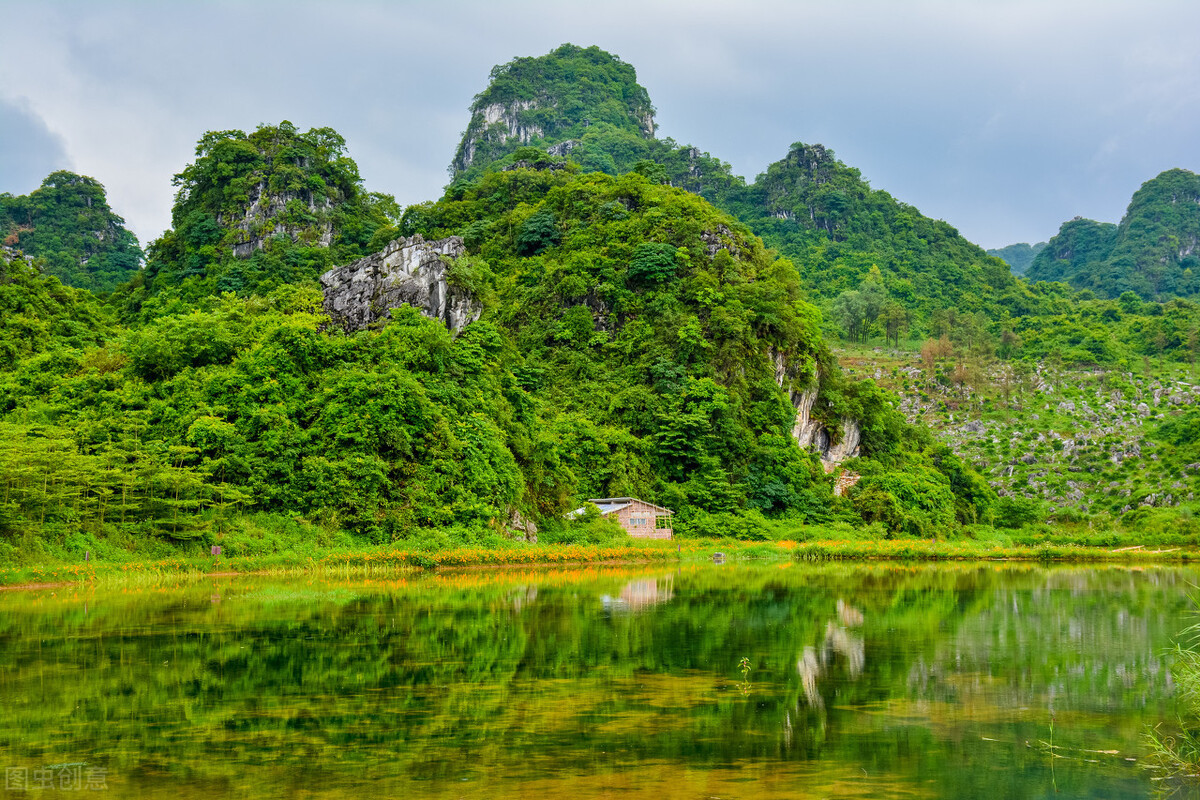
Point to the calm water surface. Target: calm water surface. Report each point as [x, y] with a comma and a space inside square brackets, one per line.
[864, 681]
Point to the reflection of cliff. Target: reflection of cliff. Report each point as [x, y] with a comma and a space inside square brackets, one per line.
[522, 596]
[839, 642]
[641, 594]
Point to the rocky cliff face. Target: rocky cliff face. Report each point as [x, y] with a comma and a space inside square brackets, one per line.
[407, 272]
[812, 434]
[499, 123]
[269, 215]
[503, 126]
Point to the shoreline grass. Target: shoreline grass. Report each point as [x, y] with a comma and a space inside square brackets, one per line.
[390, 560]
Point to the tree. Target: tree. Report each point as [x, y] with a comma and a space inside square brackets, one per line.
[895, 319]
[537, 233]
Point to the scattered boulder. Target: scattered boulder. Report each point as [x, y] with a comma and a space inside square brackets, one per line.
[407, 272]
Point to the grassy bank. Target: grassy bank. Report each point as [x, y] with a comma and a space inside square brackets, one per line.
[818, 545]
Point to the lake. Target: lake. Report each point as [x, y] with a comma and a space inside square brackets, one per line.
[782, 681]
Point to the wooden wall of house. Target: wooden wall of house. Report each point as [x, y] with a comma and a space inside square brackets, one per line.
[647, 512]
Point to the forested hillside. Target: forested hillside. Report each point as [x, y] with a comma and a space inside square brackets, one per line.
[259, 211]
[813, 209]
[634, 340]
[1152, 253]
[67, 224]
[642, 322]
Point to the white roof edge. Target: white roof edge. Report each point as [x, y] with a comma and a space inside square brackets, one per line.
[627, 501]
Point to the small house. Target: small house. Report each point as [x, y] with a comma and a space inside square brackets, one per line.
[640, 519]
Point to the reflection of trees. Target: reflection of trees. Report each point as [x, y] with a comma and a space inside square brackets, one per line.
[524, 671]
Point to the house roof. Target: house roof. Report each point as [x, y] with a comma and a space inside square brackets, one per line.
[609, 505]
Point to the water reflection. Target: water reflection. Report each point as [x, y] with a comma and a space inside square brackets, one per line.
[838, 642]
[641, 594]
[871, 681]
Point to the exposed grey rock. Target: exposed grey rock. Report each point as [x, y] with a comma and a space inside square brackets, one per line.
[809, 432]
[720, 239]
[259, 222]
[1143, 409]
[1066, 407]
[521, 528]
[407, 272]
[562, 148]
[805, 428]
[847, 445]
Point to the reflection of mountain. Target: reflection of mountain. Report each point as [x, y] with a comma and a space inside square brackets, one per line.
[641, 594]
[1075, 639]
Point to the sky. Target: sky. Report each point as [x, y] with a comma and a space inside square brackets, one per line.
[1003, 117]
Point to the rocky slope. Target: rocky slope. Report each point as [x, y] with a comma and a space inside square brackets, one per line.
[1076, 439]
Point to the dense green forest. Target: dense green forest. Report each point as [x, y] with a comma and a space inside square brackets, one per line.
[652, 325]
[877, 268]
[67, 223]
[635, 340]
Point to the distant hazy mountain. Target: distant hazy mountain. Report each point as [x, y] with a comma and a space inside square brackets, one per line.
[1018, 256]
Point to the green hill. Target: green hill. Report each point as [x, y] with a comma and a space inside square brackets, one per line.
[1018, 256]
[67, 223]
[634, 340]
[823, 215]
[258, 211]
[1153, 252]
[585, 105]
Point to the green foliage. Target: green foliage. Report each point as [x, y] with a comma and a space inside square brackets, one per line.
[38, 314]
[652, 264]
[554, 98]
[1151, 253]
[258, 211]
[914, 502]
[68, 225]
[1017, 512]
[537, 233]
[1018, 256]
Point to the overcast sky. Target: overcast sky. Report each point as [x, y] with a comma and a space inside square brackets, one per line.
[1003, 118]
